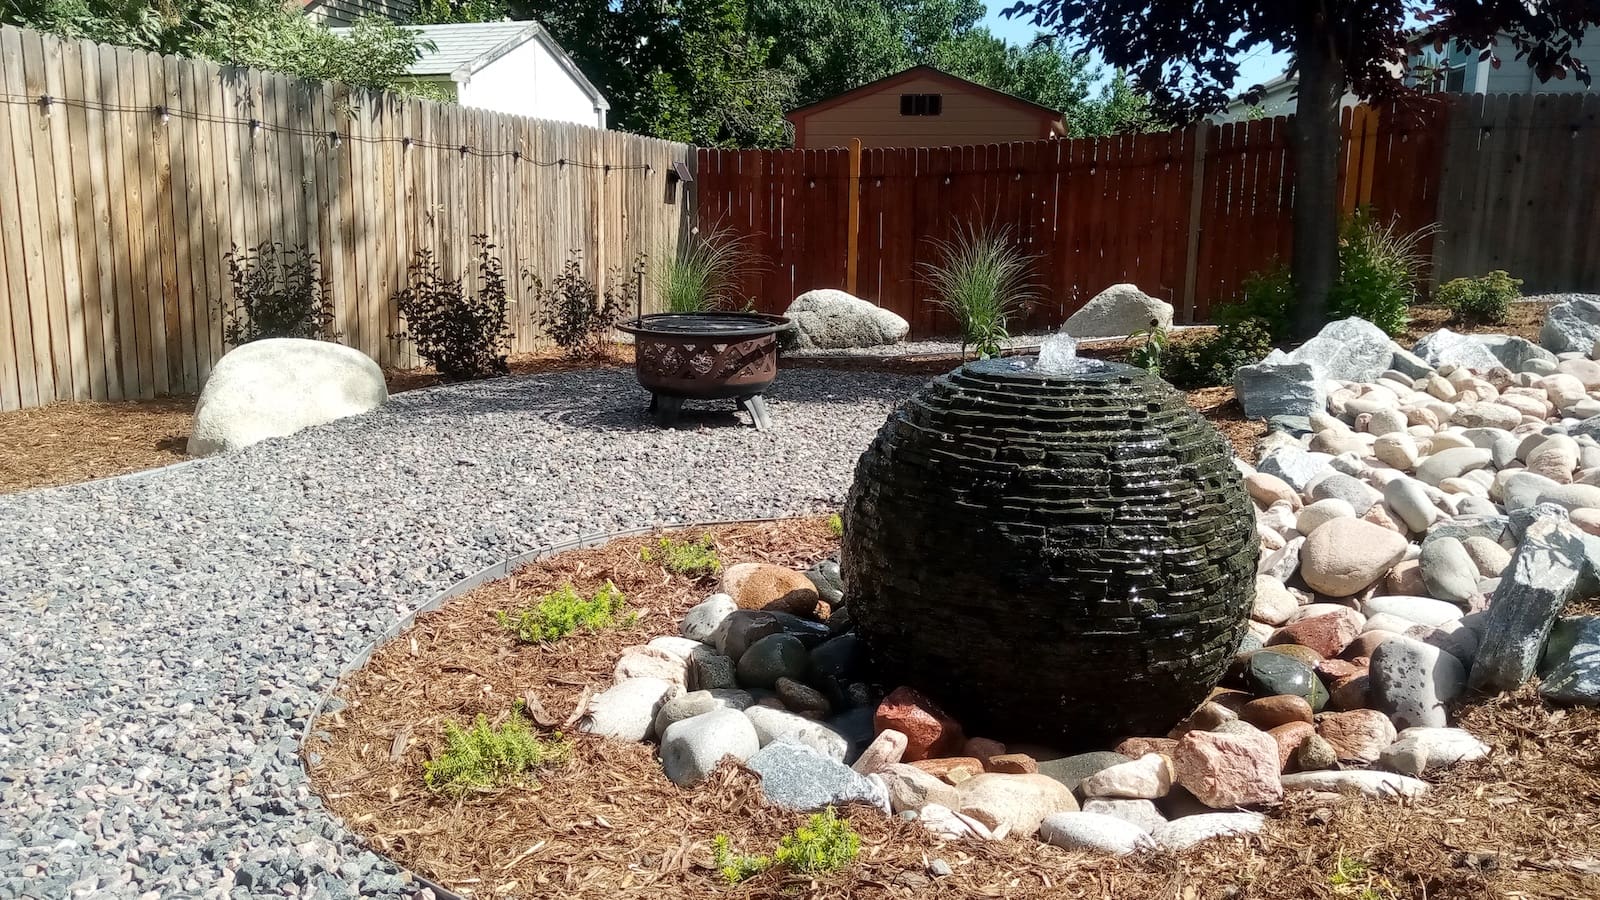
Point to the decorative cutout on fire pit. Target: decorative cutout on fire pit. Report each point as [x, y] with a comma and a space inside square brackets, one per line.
[1065, 557]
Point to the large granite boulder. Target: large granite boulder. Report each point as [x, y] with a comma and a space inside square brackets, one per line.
[1570, 670]
[1118, 310]
[1295, 383]
[1279, 386]
[1572, 326]
[1543, 575]
[834, 320]
[1446, 347]
[275, 387]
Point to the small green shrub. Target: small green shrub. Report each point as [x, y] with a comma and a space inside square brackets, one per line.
[560, 613]
[463, 336]
[836, 525]
[984, 280]
[825, 843]
[1213, 360]
[706, 272]
[736, 867]
[278, 292]
[575, 315]
[484, 757]
[1486, 298]
[1378, 270]
[1151, 346]
[691, 559]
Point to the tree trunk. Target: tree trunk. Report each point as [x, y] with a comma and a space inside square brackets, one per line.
[1315, 140]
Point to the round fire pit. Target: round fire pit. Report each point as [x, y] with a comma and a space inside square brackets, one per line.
[706, 356]
[1065, 557]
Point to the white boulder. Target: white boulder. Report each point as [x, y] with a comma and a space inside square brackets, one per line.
[278, 386]
[1118, 310]
[834, 320]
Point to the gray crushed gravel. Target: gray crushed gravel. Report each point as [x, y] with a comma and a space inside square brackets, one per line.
[164, 640]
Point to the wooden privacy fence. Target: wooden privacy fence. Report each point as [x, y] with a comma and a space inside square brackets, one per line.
[1186, 214]
[126, 176]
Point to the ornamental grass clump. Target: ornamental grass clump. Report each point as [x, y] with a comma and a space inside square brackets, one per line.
[984, 280]
[562, 612]
[485, 757]
[691, 559]
[705, 272]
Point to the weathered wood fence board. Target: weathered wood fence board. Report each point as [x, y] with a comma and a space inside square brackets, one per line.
[1187, 215]
[125, 178]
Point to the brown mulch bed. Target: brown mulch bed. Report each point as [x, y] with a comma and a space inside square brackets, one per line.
[607, 824]
[1525, 321]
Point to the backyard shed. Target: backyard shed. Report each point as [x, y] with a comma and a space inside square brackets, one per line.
[922, 107]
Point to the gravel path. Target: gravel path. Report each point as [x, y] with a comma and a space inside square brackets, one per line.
[163, 641]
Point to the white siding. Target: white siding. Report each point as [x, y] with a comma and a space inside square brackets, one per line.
[1515, 77]
[528, 81]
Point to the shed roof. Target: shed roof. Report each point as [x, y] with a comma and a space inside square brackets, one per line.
[923, 72]
[463, 49]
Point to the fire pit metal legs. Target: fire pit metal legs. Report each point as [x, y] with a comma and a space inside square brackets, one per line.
[666, 410]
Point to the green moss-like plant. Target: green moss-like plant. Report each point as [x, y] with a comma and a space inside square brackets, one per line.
[484, 757]
[826, 843]
[691, 559]
[1486, 298]
[836, 525]
[560, 613]
[736, 867]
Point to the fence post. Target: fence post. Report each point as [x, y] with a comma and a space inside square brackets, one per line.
[853, 215]
[1200, 133]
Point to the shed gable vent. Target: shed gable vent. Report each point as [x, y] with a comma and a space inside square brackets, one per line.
[921, 104]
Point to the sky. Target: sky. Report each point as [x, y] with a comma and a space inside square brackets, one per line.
[1261, 66]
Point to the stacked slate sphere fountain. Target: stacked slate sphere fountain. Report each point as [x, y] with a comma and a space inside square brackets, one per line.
[1057, 550]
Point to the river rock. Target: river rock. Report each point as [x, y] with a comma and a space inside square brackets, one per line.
[1014, 804]
[1449, 572]
[1359, 735]
[1142, 813]
[1295, 466]
[885, 750]
[1181, 834]
[1411, 503]
[712, 671]
[1364, 783]
[1095, 833]
[1274, 604]
[1420, 751]
[911, 788]
[1338, 486]
[1270, 673]
[1072, 770]
[1327, 634]
[769, 587]
[701, 621]
[692, 747]
[1411, 682]
[1344, 556]
[1419, 610]
[773, 725]
[771, 658]
[627, 710]
[1451, 463]
[1146, 778]
[698, 703]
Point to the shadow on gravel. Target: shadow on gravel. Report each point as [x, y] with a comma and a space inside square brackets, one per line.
[611, 400]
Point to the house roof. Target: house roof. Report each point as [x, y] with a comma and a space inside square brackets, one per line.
[464, 49]
[922, 72]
